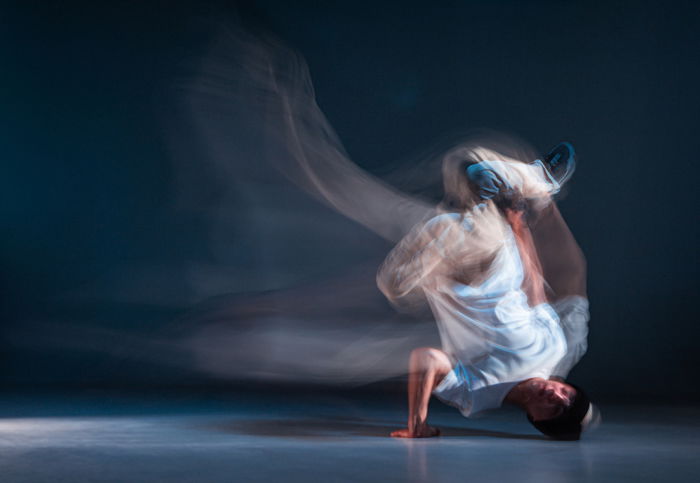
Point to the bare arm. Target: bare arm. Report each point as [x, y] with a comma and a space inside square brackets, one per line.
[427, 368]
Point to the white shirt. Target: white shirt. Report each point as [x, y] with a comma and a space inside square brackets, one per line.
[472, 281]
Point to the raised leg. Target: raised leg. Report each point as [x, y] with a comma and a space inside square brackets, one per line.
[427, 367]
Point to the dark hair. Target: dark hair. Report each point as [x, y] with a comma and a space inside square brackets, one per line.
[568, 425]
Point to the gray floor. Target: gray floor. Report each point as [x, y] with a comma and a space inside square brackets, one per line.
[312, 438]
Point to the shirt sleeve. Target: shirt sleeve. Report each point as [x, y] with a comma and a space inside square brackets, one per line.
[417, 256]
[573, 317]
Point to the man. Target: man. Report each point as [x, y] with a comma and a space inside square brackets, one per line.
[478, 267]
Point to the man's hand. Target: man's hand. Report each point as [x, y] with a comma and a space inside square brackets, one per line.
[424, 431]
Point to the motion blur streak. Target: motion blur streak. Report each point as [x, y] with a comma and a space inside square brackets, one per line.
[259, 127]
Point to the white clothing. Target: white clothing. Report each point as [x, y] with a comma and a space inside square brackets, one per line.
[517, 341]
[573, 318]
[522, 342]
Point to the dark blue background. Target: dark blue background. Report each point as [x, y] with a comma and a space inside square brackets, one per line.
[87, 89]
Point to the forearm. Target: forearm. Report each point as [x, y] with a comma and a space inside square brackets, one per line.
[533, 281]
[427, 368]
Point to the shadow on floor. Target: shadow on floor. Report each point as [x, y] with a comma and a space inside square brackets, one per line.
[332, 428]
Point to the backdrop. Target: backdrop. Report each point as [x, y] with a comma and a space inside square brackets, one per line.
[92, 181]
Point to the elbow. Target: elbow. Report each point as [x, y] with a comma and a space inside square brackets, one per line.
[388, 286]
[391, 285]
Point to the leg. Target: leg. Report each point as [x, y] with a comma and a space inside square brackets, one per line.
[427, 368]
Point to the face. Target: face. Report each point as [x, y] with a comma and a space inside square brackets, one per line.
[548, 399]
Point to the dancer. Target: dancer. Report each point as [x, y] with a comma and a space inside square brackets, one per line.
[478, 267]
[481, 259]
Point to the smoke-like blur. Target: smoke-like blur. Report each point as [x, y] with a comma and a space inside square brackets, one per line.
[284, 233]
[266, 144]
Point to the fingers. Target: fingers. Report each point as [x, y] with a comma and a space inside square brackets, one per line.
[427, 432]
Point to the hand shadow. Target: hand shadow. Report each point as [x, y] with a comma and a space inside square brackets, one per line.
[335, 428]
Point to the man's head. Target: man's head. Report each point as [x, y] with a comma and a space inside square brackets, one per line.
[547, 399]
[558, 409]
